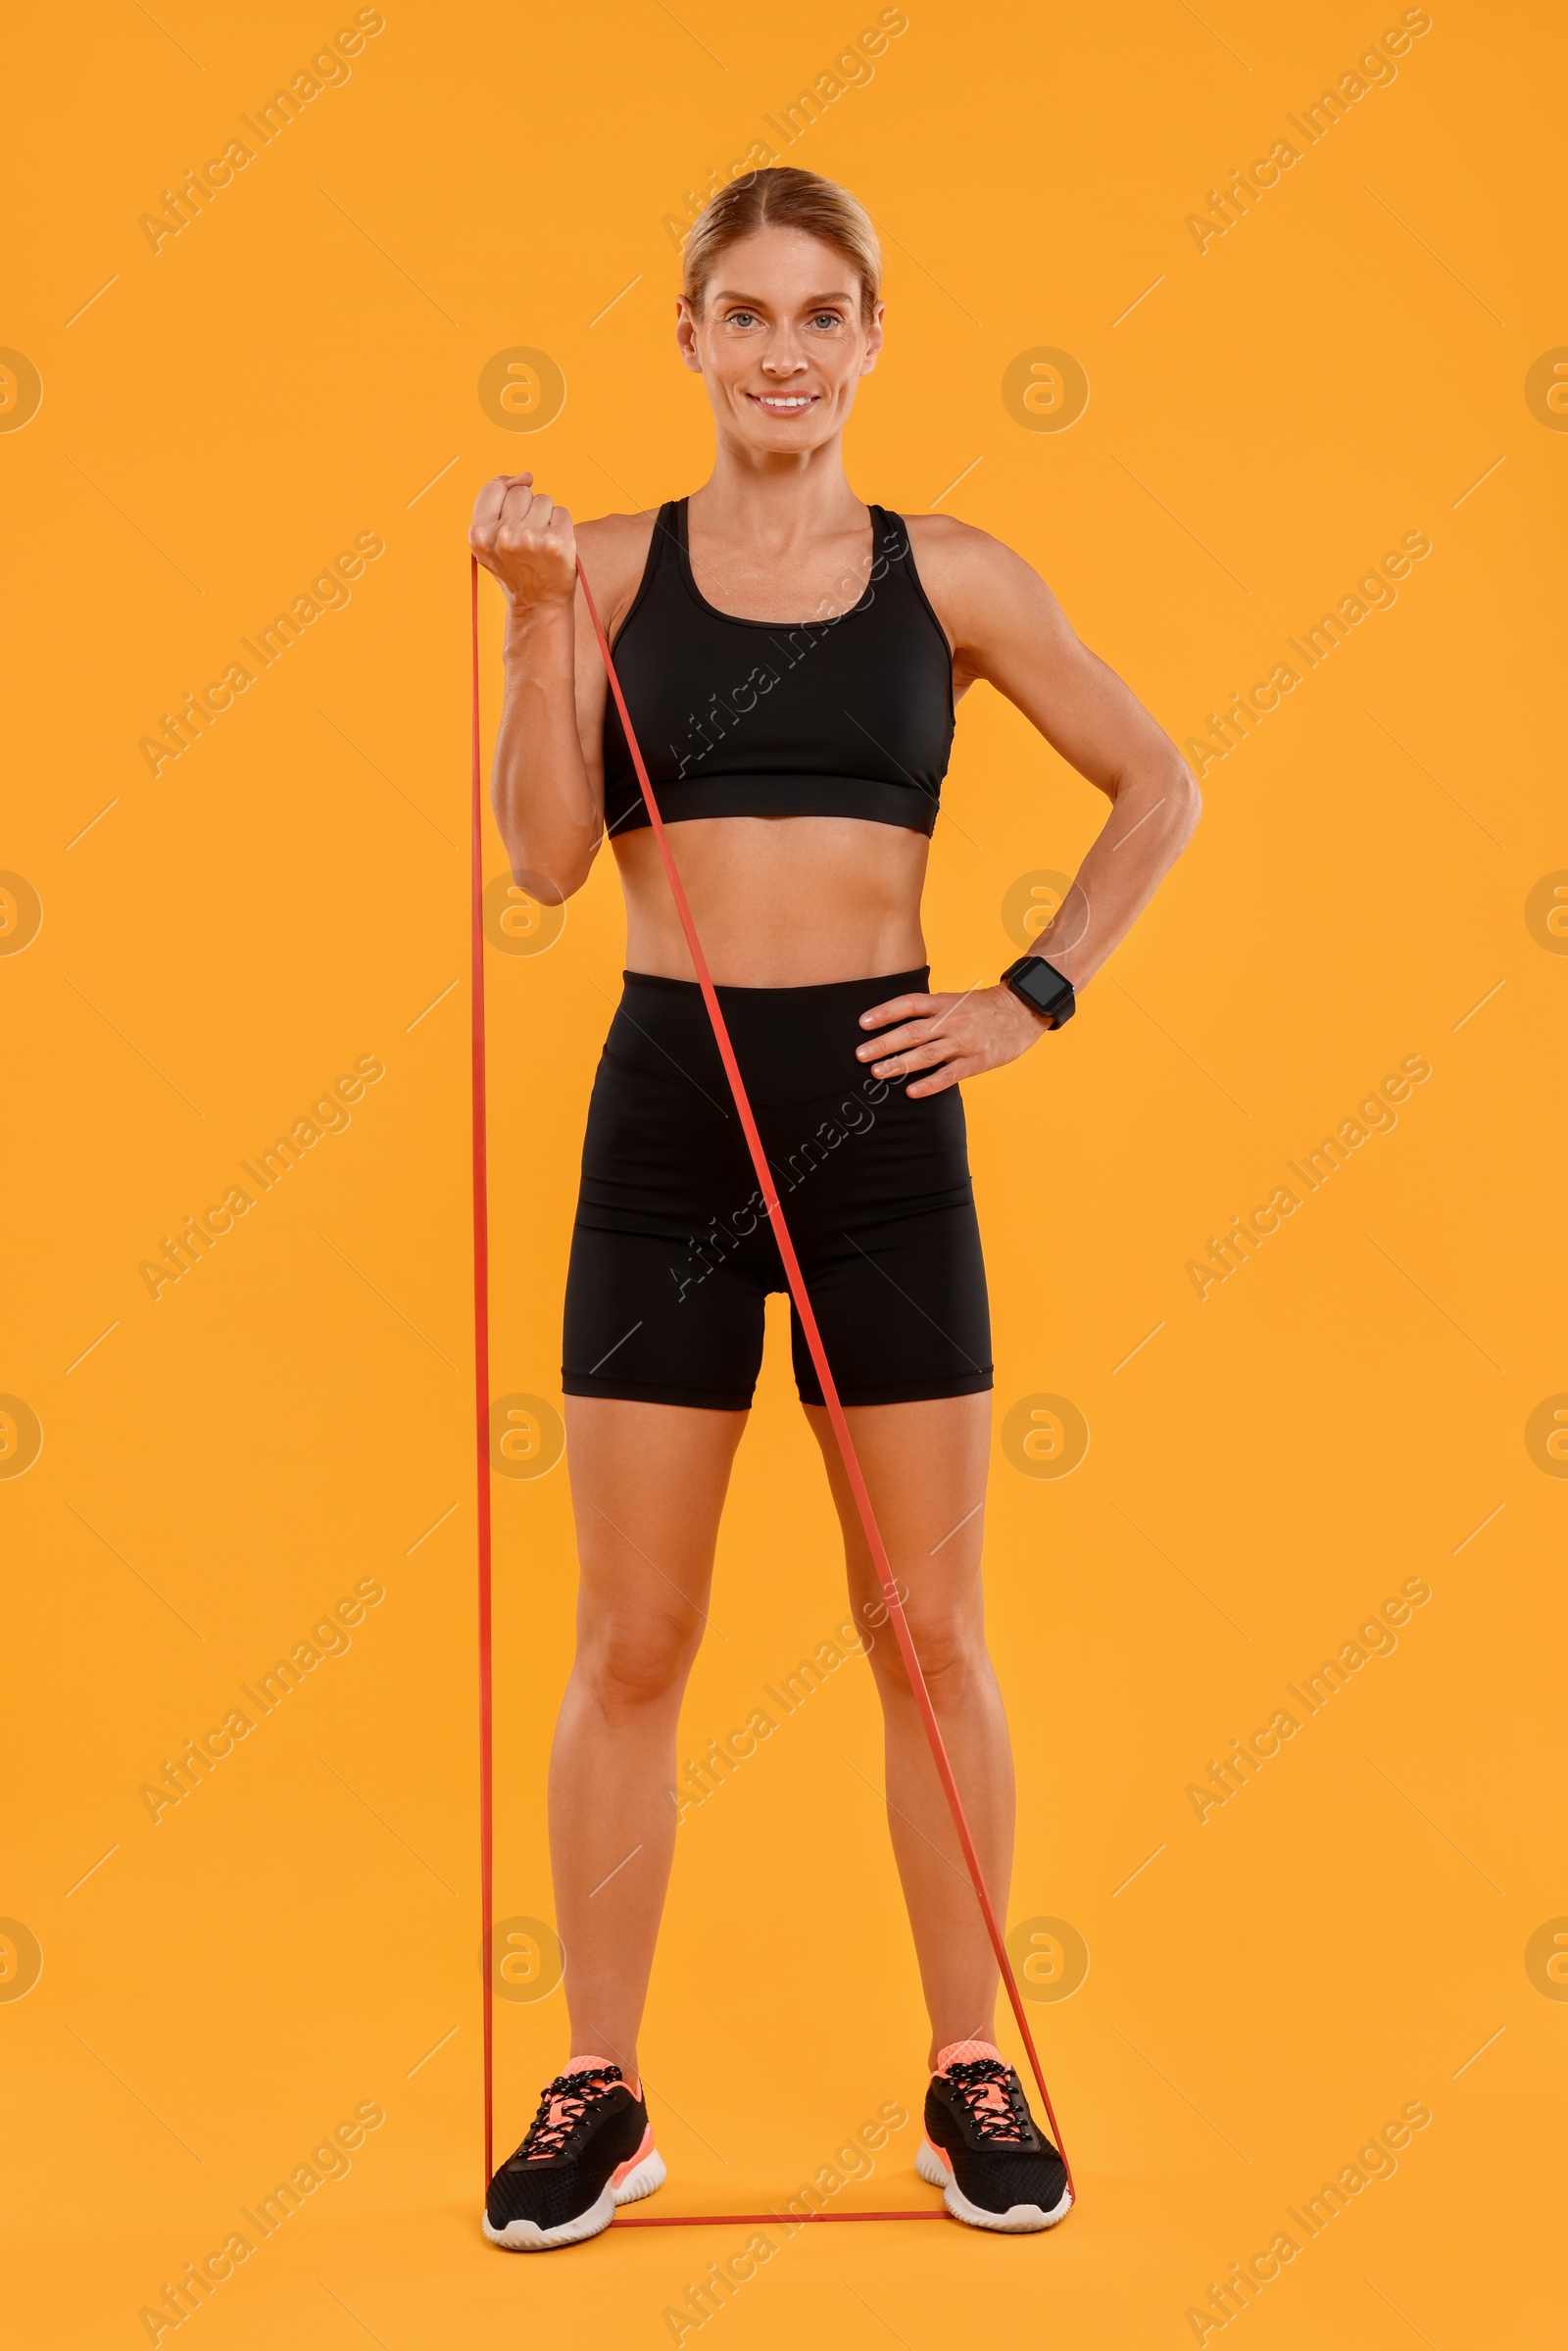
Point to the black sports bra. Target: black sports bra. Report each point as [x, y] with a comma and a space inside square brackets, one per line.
[844, 717]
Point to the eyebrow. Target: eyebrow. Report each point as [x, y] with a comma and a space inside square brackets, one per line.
[812, 302]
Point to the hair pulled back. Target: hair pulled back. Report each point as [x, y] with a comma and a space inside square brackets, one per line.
[783, 198]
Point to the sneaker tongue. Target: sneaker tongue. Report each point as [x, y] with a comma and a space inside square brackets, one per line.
[965, 2052]
[596, 2065]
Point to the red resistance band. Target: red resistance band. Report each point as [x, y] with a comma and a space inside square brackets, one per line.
[830, 1395]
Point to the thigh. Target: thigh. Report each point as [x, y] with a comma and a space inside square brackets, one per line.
[648, 1486]
[925, 1465]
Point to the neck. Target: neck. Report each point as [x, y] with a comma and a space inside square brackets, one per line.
[777, 501]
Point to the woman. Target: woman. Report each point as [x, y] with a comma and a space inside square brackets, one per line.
[792, 659]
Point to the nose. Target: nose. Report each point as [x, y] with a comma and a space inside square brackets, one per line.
[783, 357]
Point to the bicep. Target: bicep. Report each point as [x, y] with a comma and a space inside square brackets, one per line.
[1018, 637]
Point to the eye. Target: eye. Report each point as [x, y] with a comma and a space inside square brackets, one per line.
[740, 317]
[827, 318]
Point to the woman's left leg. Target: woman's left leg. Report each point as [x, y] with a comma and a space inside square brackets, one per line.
[925, 1465]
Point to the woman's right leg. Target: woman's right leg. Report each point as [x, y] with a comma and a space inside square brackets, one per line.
[647, 1486]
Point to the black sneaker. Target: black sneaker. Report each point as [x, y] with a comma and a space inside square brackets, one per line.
[589, 2148]
[983, 2148]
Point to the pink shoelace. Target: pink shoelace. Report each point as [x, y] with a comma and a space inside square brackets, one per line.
[986, 2091]
[564, 2102]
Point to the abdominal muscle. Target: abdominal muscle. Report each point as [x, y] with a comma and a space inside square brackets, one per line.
[779, 902]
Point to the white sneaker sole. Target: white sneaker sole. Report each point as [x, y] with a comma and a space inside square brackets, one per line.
[1018, 2220]
[526, 2236]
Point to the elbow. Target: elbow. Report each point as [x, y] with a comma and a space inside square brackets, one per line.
[551, 884]
[1182, 800]
[1161, 799]
[1190, 801]
[551, 862]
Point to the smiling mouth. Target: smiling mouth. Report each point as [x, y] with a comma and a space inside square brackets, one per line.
[784, 404]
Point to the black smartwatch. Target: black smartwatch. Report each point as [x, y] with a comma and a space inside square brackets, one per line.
[1041, 986]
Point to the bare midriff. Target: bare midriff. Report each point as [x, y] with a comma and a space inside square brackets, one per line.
[779, 902]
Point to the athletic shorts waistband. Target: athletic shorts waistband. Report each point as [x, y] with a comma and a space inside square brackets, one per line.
[792, 1043]
[895, 983]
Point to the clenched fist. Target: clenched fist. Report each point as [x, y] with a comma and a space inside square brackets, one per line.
[526, 540]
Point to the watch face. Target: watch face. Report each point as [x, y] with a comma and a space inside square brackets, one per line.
[1043, 987]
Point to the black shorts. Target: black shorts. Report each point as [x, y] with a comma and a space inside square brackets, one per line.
[672, 1253]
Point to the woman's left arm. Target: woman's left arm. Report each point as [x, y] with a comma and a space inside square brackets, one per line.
[1007, 627]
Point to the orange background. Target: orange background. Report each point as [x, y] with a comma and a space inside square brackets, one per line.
[1349, 1411]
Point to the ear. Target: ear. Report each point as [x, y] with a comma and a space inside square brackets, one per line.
[686, 334]
[873, 339]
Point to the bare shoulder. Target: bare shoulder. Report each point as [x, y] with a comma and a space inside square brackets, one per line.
[961, 557]
[981, 590]
[612, 533]
[615, 555]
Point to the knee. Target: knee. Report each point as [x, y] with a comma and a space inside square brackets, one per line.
[631, 1663]
[950, 1648]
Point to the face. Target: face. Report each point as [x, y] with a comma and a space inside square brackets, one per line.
[780, 342]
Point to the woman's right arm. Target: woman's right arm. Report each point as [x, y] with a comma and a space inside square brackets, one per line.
[547, 783]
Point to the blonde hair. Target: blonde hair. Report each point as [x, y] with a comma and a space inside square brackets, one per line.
[783, 198]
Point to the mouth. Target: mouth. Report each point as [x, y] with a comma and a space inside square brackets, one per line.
[784, 404]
